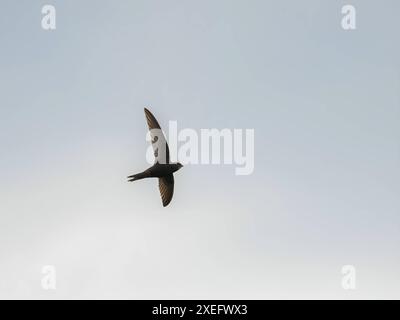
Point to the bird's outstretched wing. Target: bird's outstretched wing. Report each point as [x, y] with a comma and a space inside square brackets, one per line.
[158, 141]
[166, 186]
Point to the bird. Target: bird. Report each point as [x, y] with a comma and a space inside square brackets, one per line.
[162, 168]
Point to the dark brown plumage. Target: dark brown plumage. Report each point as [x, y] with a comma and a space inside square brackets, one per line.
[162, 168]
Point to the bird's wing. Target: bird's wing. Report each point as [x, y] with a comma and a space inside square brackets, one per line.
[158, 141]
[166, 186]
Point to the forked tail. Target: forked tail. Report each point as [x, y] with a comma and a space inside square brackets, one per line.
[135, 177]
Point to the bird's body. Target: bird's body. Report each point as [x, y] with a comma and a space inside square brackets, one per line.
[156, 171]
[162, 168]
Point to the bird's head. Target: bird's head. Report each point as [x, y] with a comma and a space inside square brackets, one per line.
[177, 166]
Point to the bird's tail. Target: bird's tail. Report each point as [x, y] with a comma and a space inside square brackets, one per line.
[135, 177]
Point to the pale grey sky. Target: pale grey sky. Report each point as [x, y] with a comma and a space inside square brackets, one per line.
[325, 107]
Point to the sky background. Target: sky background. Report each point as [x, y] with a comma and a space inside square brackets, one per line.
[325, 107]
